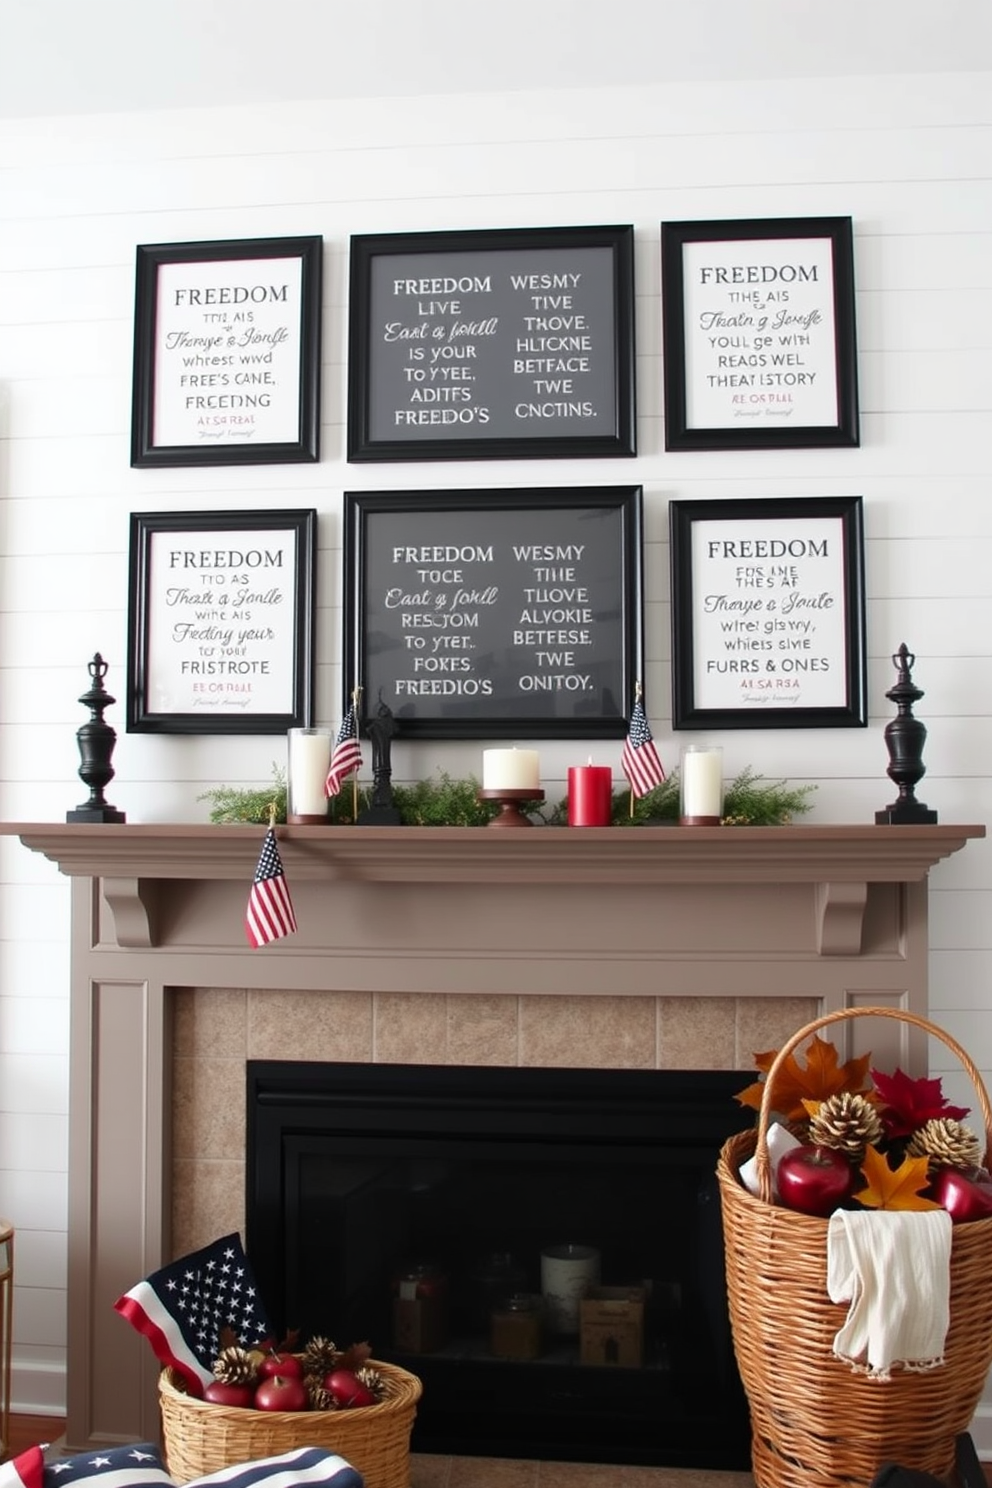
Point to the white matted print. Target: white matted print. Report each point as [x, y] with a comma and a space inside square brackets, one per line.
[768, 613]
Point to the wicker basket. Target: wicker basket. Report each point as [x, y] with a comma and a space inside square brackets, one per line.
[200, 1437]
[815, 1422]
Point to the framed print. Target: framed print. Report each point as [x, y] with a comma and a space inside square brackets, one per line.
[768, 613]
[220, 622]
[492, 345]
[759, 334]
[227, 352]
[495, 614]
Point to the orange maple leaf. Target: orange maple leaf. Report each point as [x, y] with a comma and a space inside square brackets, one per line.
[894, 1188]
[823, 1076]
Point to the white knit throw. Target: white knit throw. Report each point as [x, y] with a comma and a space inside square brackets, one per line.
[894, 1269]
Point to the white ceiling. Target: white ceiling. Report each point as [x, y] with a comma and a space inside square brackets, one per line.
[108, 56]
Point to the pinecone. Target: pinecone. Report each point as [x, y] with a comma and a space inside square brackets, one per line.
[946, 1143]
[320, 1399]
[319, 1356]
[848, 1123]
[235, 1366]
[372, 1380]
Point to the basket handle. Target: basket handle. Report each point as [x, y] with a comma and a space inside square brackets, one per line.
[762, 1162]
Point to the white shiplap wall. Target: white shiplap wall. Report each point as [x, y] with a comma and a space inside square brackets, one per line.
[909, 159]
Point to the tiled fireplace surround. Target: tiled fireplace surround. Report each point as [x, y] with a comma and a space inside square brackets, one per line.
[651, 949]
[216, 1030]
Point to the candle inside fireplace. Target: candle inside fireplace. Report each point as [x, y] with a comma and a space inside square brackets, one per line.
[510, 769]
[702, 782]
[590, 795]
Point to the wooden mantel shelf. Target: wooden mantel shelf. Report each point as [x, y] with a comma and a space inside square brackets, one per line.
[654, 855]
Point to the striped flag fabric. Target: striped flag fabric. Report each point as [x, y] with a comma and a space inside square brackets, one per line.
[183, 1308]
[269, 915]
[346, 755]
[639, 761]
[303, 1467]
[24, 1471]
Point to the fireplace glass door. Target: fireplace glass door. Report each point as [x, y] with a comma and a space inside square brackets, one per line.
[542, 1247]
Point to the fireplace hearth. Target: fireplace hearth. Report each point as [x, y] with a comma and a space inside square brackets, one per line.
[372, 1186]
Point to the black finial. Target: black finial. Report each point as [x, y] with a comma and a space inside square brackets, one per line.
[96, 741]
[904, 739]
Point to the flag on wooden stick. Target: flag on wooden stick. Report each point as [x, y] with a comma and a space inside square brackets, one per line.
[269, 915]
[639, 761]
[346, 755]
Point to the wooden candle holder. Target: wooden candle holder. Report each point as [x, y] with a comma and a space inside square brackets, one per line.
[510, 802]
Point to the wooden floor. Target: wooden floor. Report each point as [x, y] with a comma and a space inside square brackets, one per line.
[26, 1430]
[470, 1472]
[467, 1472]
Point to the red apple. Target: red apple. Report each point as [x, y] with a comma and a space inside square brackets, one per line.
[287, 1366]
[347, 1390]
[814, 1180]
[219, 1392]
[963, 1196]
[281, 1392]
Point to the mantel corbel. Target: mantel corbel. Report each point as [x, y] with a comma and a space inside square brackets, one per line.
[840, 917]
[126, 900]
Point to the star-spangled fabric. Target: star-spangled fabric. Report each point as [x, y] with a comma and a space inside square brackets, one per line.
[639, 761]
[138, 1466]
[182, 1309]
[346, 755]
[141, 1466]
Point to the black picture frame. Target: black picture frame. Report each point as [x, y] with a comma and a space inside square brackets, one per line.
[220, 629]
[768, 613]
[759, 335]
[218, 361]
[522, 346]
[518, 655]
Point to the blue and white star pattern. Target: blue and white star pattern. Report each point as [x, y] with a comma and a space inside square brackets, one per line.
[183, 1309]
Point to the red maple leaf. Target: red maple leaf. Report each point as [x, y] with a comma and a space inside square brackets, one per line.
[906, 1104]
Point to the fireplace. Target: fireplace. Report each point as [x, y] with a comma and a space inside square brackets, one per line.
[606, 949]
[362, 1178]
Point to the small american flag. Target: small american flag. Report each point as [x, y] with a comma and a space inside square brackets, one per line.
[639, 761]
[346, 755]
[182, 1309]
[269, 915]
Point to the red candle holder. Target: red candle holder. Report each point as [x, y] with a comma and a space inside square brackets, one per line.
[590, 796]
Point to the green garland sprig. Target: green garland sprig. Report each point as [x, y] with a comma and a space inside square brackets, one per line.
[250, 804]
[436, 802]
[439, 801]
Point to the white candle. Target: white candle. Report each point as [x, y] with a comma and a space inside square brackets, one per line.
[702, 782]
[309, 761]
[510, 769]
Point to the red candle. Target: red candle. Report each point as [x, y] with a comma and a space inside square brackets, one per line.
[590, 793]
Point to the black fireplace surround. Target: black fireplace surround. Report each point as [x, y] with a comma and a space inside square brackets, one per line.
[357, 1173]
